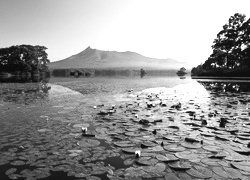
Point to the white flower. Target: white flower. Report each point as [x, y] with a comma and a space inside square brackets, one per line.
[84, 130]
[137, 153]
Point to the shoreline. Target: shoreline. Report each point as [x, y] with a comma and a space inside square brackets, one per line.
[220, 77]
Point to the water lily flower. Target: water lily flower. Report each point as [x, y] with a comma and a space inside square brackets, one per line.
[84, 130]
[137, 153]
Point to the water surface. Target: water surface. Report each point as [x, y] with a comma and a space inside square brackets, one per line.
[41, 137]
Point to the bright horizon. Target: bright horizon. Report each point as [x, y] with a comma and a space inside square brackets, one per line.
[181, 30]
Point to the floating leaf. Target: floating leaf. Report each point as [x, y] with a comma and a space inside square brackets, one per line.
[186, 155]
[212, 148]
[184, 176]
[200, 172]
[208, 134]
[146, 144]
[129, 150]
[166, 158]
[244, 165]
[241, 150]
[124, 144]
[10, 171]
[218, 155]
[189, 145]
[18, 163]
[233, 156]
[233, 173]
[144, 161]
[179, 165]
[210, 161]
[158, 168]
[129, 162]
[220, 172]
[173, 148]
[191, 139]
[225, 137]
[171, 176]
[88, 143]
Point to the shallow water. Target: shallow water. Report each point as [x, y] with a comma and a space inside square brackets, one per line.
[41, 136]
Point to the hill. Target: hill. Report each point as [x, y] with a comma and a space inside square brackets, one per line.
[97, 59]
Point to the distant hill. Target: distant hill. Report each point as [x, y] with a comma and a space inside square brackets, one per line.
[97, 59]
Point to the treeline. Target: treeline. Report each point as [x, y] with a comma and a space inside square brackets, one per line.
[108, 72]
[24, 60]
[231, 50]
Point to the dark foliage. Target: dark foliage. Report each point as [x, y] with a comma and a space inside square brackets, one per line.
[23, 59]
[231, 50]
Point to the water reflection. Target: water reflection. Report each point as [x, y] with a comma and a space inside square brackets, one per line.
[23, 78]
[24, 93]
[219, 86]
[48, 143]
[182, 76]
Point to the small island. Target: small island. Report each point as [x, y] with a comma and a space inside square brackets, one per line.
[231, 51]
[23, 63]
[181, 72]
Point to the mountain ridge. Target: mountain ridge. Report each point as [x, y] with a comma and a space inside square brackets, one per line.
[98, 59]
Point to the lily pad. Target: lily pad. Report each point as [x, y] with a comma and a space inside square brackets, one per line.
[166, 158]
[174, 148]
[233, 173]
[210, 161]
[124, 144]
[234, 156]
[129, 150]
[179, 165]
[10, 171]
[241, 150]
[146, 144]
[88, 143]
[186, 155]
[194, 145]
[184, 176]
[220, 172]
[200, 172]
[158, 168]
[171, 176]
[144, 161]
[244, 165]
[212, 148]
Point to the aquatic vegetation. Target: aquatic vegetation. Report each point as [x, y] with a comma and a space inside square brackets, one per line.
[70, 138]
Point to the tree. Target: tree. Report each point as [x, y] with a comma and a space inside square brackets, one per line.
[245, 43]
[228, 42]
[231, 49]
[24, 58]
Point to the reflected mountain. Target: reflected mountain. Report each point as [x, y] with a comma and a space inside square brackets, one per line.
[24, 93]
[219, 86]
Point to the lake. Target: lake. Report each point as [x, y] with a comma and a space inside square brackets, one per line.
[125, 128]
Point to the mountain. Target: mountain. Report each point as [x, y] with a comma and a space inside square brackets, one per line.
[97, 59]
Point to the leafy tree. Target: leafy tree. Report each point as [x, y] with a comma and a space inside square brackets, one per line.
[245, 43]
[231, 49]
[227, 46]
[24, 58]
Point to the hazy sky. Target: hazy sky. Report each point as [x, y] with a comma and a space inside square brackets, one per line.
[180, 29]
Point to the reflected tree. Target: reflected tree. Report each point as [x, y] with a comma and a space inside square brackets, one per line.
[232, 87]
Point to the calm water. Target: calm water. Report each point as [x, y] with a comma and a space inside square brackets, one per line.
[41, 136]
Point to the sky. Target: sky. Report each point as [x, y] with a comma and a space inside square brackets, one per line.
[183, 30]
